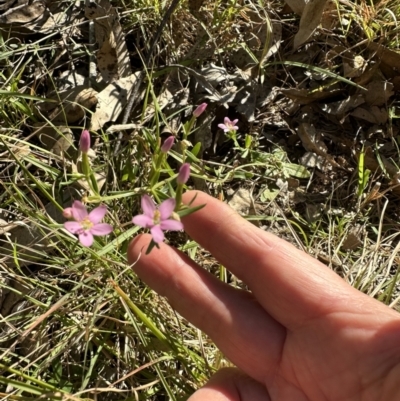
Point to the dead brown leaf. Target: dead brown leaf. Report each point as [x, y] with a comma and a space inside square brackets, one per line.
[389, 59]
[313, 143]
[310, 19]
[378, 93]
[24, 13]
[112, 57]
[372, 114]
[72, 105]
[111, 101]
[354, 238]
[342, 107]
[306, 96]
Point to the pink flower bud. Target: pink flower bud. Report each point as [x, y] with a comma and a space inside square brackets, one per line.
[184, 174]
[200, 110]
[67, 213]
[84, 142]
[167, 145]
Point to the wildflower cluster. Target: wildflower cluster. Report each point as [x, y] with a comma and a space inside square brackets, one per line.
[156, 218]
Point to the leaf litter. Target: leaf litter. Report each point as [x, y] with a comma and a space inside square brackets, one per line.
[309, 100]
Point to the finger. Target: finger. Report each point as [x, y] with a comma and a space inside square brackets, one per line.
[231, 385]
[292, 286]
[239, 326]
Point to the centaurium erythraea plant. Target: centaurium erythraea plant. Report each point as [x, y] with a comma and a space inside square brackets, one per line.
[84, 147]
[188, 126]
[157, 218]
[86, 225]
[199, 110]
[159, 158]
[229, 125]
[181, 180]
[184, 174]
[84, 141]
[167, 145]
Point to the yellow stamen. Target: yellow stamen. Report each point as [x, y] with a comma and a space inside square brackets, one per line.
[86, 224]
[156, 217]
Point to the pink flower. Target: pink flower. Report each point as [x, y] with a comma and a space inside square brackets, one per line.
[157, 218]
[167, 145]
[229, 125]
[84, 142]
[87, 224]
[199, 110]
[184, 174]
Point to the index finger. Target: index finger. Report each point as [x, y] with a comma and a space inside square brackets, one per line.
[292, 286]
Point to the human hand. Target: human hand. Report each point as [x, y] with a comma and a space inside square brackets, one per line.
[301, 334]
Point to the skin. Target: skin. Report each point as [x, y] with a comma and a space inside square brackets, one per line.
[300, 334]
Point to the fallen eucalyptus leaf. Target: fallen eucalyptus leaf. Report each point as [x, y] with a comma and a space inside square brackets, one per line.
[112, 100]
[312, 142]
[72, 105]
[342, 107]
[372, 114]
[305, 96]
[24, 13]
[310, 19]
[378, 93]
[112, 57]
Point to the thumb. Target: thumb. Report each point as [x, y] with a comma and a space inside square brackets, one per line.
[230, 384]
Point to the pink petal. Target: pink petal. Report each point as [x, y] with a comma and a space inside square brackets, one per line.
[227, 121]
[73, 226]
[101, 229]
[172, 225]
[97, 214]
[148, 206]
[79, 211]
[222, 126]
[235, 121]
[142, 220]
[166, 208]
[157, 234]
[86, 238]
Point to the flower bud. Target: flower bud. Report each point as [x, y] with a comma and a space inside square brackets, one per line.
[67, 213]
[167, 145]
[84, 142]
[184, 174]
[199, 110]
